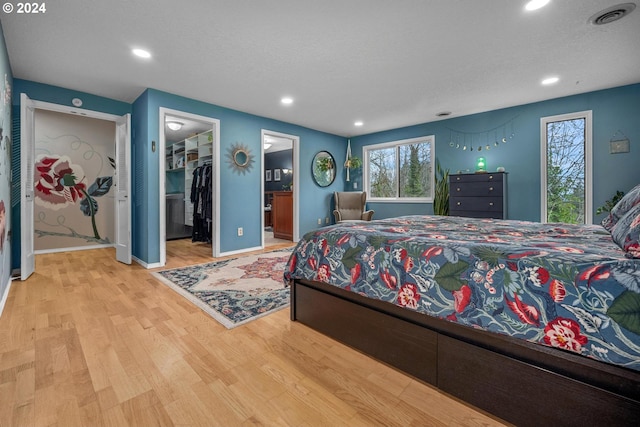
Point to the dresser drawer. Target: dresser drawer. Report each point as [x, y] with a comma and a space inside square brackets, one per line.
[476, 177]
[489, 204]
[476, 189]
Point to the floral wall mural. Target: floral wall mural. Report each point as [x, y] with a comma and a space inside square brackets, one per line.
[6, 83]
[74, 201]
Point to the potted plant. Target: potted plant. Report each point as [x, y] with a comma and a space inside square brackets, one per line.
[609, 204]
[441, 196]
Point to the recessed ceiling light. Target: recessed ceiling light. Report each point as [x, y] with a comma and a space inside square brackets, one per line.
[550, 81]
[536, 4]
[286, 100]
[141, 53]
[358, 123]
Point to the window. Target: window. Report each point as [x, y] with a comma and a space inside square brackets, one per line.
[400, 170]
[566, 168]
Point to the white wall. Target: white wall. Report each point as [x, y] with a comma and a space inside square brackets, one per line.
[71, 153]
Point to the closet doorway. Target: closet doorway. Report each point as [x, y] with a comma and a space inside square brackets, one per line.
[75, 177]
[189, 144]
[280, 188]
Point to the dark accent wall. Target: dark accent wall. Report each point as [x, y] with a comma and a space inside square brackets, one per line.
[279, 160]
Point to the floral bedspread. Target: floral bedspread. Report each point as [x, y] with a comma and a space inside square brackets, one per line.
[560, 285]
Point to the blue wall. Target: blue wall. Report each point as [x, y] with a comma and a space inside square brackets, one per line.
[279, 160]
[55, 95]
[616, 109]
[6, 89]
[240, 193]
[613, 110]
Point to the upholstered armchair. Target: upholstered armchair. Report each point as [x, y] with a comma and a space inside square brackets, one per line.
[350, 206]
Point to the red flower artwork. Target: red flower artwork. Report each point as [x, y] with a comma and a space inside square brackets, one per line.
[388, 279]
[461, 298]
[564, 333]
[58, 182]
[409, 296]
[557, 290]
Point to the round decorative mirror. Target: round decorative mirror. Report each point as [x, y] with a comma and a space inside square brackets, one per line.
[240, 157]
[323, 168]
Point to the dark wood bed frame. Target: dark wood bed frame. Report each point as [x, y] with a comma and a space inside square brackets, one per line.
[520, 382]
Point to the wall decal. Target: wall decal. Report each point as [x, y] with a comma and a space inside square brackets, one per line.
[60, 183]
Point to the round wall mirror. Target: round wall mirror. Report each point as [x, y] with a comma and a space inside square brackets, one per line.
[323, 168]
[240, 157]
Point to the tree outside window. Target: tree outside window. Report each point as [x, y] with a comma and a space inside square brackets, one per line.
[400, 170]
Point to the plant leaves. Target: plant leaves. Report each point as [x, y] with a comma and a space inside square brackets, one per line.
[349, 258]
[86, 208]
[101, 186]
[448, 277]
[625, 311]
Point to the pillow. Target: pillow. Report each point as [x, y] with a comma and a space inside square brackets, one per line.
[628, 201]
[626, 232]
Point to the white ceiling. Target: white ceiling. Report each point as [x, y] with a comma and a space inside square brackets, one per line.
[387, 63]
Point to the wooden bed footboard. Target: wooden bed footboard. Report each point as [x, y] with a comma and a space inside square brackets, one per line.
[521, 382]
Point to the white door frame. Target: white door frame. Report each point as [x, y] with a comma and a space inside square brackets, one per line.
[296, 181]
[588, 165]
[27, 141]
[215, 161]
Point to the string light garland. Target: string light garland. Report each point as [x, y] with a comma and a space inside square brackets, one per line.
[483, 140]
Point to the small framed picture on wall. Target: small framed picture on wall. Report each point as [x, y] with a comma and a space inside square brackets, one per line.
[276, 174]
[267, 175]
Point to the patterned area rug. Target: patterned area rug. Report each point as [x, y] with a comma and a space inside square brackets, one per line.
[234, 291]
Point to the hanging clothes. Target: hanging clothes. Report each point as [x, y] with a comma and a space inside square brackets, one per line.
[202, 199]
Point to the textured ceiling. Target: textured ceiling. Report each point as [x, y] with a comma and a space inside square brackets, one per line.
[387, 63]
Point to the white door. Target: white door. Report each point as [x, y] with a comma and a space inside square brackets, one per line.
[27, 163]
[123, 185]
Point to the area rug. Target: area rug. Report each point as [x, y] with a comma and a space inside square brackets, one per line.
[234, 291]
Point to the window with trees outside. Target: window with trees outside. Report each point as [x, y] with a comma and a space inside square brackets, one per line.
[566, 168]
[400, 170]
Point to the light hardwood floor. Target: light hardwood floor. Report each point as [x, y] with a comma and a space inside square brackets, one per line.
[87, 341]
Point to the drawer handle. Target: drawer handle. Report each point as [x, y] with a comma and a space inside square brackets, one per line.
[490, 176]
[491, 204]
[490, 188]
[457, 188]
[459, 203]
[457, 178]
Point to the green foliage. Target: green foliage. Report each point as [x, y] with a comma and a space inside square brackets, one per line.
[325, 163]
[448, 277]
[625, 310]
[413, 187]
[353, 162]
[441, 196]
[609, 204]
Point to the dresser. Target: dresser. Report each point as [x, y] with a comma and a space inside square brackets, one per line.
[478, 195]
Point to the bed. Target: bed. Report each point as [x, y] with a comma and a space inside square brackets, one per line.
[533, 323]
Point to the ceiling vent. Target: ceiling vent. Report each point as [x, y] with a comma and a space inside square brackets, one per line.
[612, 14]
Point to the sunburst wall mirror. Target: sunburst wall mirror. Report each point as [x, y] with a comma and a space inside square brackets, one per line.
[240, 158]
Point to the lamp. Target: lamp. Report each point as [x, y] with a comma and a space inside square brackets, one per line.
[175, 125]
[481, 165]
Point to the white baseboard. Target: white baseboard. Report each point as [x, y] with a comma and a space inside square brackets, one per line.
[145, 265]
[5, 296]
[70, 249]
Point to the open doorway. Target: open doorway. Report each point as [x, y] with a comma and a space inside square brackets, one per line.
[189, 164]
[73, 189]
[280, 189]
